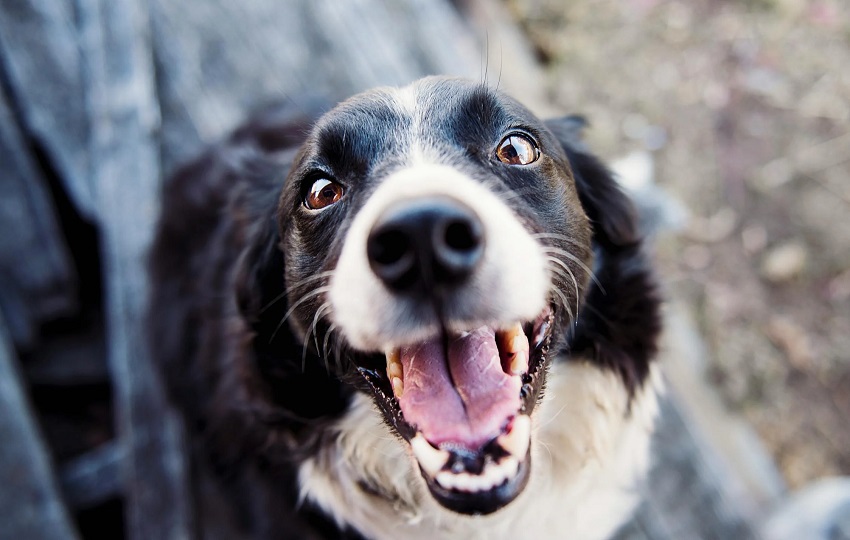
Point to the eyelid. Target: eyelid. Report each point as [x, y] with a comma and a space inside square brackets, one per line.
[522, 131]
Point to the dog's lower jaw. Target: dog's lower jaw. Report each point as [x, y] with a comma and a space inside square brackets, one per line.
[590, 451]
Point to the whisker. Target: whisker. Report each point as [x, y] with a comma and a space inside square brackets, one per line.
[549, 421]
[312, 331]
[564, 265]
[564, 302]
[570, 256]
[296, 285]
[323, 307]
[325, 343]
[307, 296]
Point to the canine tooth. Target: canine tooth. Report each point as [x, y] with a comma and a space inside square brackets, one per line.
[394, 370]
[513, 339]
[517, 440]
[519, 362]
[398, 386]
[394, 365]
[514, 346]
[430, 459]
[519, 343]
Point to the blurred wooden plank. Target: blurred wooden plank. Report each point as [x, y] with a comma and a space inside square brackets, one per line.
[125, 159]
[44, 71]
[683, 497]
[36, 274]
[217, 60]
[94, 477]
[30, 505]
[685, 491]
[70, 359]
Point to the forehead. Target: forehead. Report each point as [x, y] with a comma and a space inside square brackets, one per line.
[409, 123]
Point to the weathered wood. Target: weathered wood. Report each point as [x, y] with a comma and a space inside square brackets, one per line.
[125, 172]
[683, 498]
[30, 504]
[68, 360]
[217, 59]
[36, 276]
[40, 51]
[94, 477]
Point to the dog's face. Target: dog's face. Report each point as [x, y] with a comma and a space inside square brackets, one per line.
[436, 249]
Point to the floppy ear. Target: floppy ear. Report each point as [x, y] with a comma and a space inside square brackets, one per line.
[610, 211]
[258, 280]
[619, 324]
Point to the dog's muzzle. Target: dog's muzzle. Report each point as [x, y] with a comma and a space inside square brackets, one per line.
[439, 275]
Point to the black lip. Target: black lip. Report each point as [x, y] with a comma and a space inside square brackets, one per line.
[482, 502]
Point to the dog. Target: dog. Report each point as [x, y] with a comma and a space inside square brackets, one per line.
[424, 314]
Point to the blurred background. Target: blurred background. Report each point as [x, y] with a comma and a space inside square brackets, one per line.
[728, 122]
[744, 109]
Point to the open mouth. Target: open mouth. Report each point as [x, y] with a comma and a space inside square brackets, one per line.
[463, 402]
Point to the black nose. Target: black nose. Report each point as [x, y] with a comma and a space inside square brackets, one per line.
[425, 243]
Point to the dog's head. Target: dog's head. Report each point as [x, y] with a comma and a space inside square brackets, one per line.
[437, 252]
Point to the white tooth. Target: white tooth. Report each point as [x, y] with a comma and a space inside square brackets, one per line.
[394, 369]
[519, 343]
[463, 482]
[510, 465]
[491, 476]
[430, 459]
[516, 442]
[446, 479]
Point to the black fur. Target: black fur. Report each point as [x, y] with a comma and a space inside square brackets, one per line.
[256, 400]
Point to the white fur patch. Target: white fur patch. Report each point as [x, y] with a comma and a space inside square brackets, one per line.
[588, 457]
[510, 284]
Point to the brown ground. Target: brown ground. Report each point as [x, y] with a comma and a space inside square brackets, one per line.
[746, 108]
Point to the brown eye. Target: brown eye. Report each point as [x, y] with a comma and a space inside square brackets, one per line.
[323, 193]
[517, 149]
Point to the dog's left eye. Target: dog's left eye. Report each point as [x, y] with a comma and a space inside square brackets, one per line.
[517, 149]
[323, 193]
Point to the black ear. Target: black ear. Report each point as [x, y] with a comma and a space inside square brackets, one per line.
[619, 324]
[258, 280]
[610, 211]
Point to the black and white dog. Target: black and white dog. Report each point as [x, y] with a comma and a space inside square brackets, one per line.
[428, 315]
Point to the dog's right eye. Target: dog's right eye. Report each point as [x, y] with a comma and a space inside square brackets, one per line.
[323, 193]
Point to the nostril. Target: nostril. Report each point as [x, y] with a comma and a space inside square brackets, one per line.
[389, 247]
[462, 236]
[392, 257]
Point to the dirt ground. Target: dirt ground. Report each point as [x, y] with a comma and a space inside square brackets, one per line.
[745, 107]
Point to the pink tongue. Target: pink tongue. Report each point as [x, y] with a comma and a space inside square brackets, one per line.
[473, 410]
